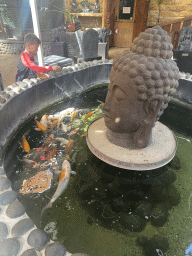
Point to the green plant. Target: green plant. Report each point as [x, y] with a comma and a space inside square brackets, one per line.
[70, 17]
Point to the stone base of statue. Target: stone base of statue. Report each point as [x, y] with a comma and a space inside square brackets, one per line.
[114, 149]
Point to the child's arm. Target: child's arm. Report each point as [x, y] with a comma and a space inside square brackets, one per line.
[26, 60]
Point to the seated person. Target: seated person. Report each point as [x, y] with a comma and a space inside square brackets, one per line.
[26, 66]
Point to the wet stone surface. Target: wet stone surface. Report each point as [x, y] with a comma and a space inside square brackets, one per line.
[30, 252]
[38, 239]
[2, 100]
[55, 249]
[15, 209]
[10, 247]
[3, 231]
[7, 197]
[4, 183]
[21, 227]
[2, 171]
[22, 84]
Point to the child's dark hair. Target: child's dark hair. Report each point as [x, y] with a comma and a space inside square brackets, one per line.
[31, 39]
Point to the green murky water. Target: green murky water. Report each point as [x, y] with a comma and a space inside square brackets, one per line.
[93, 213]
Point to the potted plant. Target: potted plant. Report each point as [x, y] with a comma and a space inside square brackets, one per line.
[70, 24]
[70, 17]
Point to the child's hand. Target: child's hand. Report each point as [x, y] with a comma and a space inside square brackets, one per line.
[56, 67]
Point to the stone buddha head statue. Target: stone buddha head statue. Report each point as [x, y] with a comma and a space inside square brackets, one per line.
[142, 82]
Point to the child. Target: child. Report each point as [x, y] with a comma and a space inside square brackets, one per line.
[26, 66]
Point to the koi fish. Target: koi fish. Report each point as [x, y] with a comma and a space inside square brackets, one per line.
[45, 120]
[28, 161]
[74, 114]
[63, 141]
[69, 145]
[40, 126]
[73, 133]
[61, 115]
[55, 122]
[101, 103]
[88, 115]
[65, 127]
[62, 185]
[25, 144]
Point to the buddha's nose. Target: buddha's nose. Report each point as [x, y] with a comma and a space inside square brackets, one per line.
[107, 105]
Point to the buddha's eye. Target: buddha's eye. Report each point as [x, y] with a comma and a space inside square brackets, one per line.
[119, 94]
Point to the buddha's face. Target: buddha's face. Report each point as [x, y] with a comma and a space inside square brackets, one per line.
[123, 111]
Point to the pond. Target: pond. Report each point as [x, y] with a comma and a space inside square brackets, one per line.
[104, 210]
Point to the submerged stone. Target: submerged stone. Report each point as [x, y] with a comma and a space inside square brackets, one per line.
[133, 222]
[118, 204]
[175, 163]
[90, 220]
[174, 196]
[144, 210]
[159, 215]
[158, 193]
[155, 246]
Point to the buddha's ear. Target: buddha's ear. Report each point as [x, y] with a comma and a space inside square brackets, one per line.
[153, 105]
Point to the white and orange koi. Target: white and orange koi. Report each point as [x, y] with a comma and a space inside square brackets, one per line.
[40, 126]
[73, 133]
[62, 185]
[45, 121]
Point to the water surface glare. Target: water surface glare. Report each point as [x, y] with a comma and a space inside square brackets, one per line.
[93, 214]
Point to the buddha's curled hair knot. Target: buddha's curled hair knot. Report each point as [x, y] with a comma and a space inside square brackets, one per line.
[149, 66]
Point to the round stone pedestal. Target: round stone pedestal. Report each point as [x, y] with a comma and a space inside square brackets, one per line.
[158, 153]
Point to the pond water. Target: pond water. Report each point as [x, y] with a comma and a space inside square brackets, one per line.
[104, 210]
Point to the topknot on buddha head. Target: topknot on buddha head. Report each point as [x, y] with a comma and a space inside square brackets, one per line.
[153, 42]
[153, 75]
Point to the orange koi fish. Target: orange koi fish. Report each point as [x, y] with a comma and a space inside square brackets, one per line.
[55, 122]
[73, 132]
[63, 183]
[69, 145]
[40, 126]
[25, 144]
[74, 114]
[88, 115]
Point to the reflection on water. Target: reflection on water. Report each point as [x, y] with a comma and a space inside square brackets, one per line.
[104, 210]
